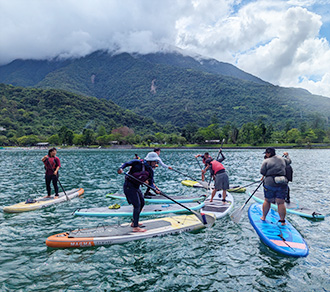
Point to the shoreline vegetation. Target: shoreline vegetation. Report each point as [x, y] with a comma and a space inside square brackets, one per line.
[188, 146]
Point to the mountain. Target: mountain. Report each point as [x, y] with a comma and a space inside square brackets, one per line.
[171, 87]
[26, 111]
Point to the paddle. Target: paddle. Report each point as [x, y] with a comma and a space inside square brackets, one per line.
[237, 214]
[67, 198]
[198, 215]
[223, 140]
[203, 183]
[199, 163]
[238, 187]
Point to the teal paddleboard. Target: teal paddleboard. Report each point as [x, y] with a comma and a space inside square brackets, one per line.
[292, 208]
[161, 199]
[284, 239]
[148, 210]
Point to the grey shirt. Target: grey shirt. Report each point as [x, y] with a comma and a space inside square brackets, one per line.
[273, 166]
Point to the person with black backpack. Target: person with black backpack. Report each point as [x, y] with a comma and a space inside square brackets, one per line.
[141, 171]
[52, 165]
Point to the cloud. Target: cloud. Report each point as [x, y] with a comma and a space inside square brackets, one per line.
[278, 41]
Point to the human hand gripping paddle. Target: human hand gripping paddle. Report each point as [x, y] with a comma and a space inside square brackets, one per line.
[67, 198]
[237, 214]
[198, 215]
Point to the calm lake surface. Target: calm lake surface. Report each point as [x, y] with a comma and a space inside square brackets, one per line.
[226, 257]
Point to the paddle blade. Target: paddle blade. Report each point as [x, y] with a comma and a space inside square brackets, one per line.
[237, 214]
[204, 184]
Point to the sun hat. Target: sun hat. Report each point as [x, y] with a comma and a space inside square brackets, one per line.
[152, 156]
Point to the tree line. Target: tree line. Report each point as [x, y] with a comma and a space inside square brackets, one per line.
[251, 133]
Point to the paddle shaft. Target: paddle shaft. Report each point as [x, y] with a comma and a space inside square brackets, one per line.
[199, 163]
[223, 140]
[238, 188]
[252, 194]
[67, 198]
[185, 174]
[155, 190]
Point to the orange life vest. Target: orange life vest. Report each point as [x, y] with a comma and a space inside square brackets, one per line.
[216, 166]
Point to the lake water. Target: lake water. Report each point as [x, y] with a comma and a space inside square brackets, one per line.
[226, 257]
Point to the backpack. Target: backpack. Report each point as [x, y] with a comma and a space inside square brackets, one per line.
[289, 172]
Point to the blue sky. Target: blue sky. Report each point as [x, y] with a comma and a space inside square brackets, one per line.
[282, 42]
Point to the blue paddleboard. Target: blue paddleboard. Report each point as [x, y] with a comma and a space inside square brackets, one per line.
[283, 239]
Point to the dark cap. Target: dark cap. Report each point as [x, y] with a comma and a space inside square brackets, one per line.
[208, 161]
[270, 150]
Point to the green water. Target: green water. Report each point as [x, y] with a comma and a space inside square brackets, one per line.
[226, 257]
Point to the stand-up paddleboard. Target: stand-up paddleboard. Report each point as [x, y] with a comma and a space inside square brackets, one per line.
[293, 208]
[161, 199]
[217, 206]
[159, 209]
[195, 184]
[284, 239]
[106, 235]
[39, 203]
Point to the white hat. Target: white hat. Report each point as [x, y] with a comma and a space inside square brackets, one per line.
[152, 156]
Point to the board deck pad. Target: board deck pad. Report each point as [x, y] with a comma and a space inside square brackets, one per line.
[284, 239]
[157, 209]
[42, 202]
[217, 207]
[115, 234]
[292, 207]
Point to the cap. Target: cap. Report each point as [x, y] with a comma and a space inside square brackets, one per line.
[152, 156]
[208, 161]
[270, 150]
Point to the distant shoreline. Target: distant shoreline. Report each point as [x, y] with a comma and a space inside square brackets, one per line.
[164, 147]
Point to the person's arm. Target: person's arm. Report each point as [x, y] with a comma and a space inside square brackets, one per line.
[222, 158]
[263, 169]
[44, 158]
[162, 163]
[58, 165]
[129, 163]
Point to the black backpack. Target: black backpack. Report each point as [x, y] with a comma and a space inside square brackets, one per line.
[289, 172]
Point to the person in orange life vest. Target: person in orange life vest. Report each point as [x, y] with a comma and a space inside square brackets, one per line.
[52, 165]
[221, 179]
[204, 157]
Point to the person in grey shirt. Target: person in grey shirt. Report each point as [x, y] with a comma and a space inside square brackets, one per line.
[275, 183]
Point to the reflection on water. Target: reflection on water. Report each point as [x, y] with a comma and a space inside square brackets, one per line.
[227, 257]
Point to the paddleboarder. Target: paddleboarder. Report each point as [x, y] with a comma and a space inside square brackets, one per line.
[52, 165]
[204, 156]
[275, 183]
[157, 151]
[221, 179]
[143, 171]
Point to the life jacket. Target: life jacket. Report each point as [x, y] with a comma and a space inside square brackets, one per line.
[217, 166]
[49, 165]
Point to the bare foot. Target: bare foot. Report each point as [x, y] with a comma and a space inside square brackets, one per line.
[55, 197]
[138, 229]
[211, 201]
[262, 218]
[47, 197]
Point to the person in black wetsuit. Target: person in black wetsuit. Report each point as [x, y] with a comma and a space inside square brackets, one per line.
[52, 165]
[143, 171]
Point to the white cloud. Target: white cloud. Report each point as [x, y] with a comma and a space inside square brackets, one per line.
[277, 41]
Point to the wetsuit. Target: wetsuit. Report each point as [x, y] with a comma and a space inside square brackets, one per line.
[144, 172]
